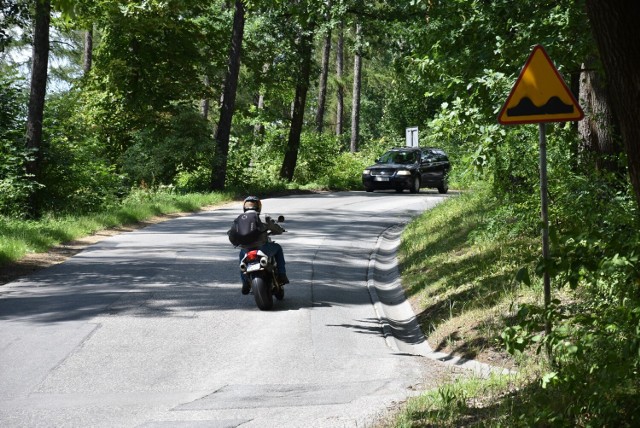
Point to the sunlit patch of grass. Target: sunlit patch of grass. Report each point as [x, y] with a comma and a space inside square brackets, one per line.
[463, 402]
[457, 281]
[10, 248]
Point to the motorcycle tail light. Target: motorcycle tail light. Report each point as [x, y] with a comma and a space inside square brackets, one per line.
[252, 255]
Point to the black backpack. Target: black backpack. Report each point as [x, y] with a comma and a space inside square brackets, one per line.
[246, 229]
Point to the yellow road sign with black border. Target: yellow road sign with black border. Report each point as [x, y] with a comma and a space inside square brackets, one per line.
[540, 94]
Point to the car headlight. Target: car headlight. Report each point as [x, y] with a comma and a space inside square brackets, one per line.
[366, 172]
[403, 172]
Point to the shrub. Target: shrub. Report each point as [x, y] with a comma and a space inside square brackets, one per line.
[15, 185]
[346, 171]
[173, 144]
[76, 172]
[316, 157]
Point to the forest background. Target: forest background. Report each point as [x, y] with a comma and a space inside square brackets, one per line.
[106, 103]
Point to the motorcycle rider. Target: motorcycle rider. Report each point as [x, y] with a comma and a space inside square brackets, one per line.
[263, 243]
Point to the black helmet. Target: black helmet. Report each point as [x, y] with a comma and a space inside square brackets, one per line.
[252, 203]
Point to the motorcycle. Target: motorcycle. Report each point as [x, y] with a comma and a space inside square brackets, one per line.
[261, 271]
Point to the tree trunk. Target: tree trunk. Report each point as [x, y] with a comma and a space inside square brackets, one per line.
[322, 86]
[297, 118]
[259, 127]
[204, 103]
[339, 72]
[40, 62]
[357, 82]
[219, 166]
[88, 51]
[597, 128]
[614, 26]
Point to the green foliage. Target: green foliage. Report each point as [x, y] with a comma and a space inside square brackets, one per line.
[316, 156]
[150, 53]
[76, 173]
[197, 180]
[593, 345]
[13, 14]
[454, 72]
[254, 163]
[175, 143]
[323, 161]
[150, 65]
[15, 186]
[346, 171]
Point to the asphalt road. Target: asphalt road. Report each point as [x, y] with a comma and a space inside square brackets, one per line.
[149, 328]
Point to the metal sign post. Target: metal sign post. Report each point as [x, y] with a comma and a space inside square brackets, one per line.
[540, 95]
[544, 215]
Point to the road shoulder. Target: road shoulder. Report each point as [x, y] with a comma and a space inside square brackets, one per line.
[400, 327]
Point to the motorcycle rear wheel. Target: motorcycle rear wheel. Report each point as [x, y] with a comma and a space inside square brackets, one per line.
[262, 293]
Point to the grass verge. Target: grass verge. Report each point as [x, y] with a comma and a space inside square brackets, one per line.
[20, 237]
[461, 284]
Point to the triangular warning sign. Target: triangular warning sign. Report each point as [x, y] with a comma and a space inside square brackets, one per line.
[539, 94]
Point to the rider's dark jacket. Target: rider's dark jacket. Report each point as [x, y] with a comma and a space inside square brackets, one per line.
[264, 228]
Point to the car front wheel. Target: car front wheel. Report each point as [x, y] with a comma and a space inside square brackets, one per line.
[444, 186]
[415, 185]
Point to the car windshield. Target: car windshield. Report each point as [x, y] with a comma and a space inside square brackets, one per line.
[398, 157]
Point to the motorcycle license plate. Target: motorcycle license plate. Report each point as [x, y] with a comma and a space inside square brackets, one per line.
[253, 268]
[382, 178]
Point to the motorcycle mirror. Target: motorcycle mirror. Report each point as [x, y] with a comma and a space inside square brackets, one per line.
[280, 219]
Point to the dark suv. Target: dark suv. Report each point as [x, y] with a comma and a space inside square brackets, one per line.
[408, 168]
